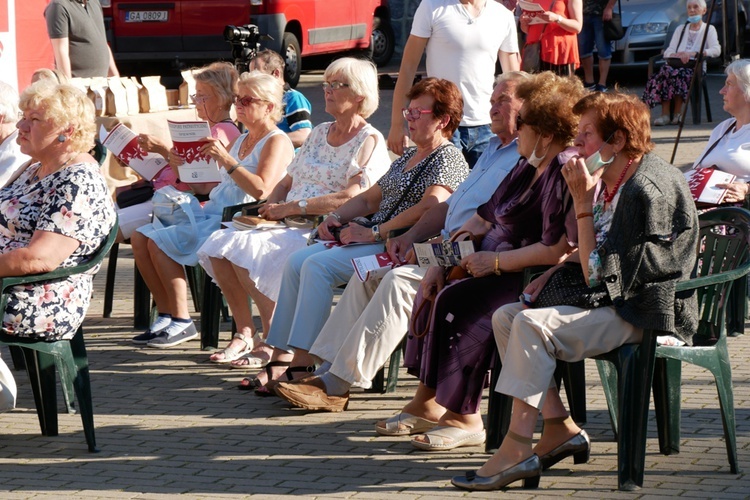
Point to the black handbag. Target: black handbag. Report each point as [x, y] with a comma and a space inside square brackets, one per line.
[613, 29]
[676, 62]
[568, 287]
[133, 194]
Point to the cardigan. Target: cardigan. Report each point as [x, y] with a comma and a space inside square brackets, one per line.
[652, 244]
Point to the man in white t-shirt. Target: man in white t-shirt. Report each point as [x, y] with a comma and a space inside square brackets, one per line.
[463, 39]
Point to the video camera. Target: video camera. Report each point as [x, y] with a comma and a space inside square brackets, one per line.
[245, 41]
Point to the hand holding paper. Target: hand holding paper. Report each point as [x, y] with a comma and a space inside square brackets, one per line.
[188, 139]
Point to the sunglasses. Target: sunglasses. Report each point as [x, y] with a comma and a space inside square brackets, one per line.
[246, 101]
[334, 85]
[520, 122]
[198, 99]
[412, 114]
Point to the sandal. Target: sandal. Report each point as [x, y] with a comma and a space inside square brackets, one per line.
[232, 353]
[250, 383]
[249, 361]
[448, 438]
[268, 390]
[404, 424]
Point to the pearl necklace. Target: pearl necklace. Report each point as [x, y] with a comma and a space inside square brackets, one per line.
[608, 197]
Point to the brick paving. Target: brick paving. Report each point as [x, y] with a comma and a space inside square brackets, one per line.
[170, 423]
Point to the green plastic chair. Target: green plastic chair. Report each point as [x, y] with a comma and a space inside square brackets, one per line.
[723, 259]
[68, 356]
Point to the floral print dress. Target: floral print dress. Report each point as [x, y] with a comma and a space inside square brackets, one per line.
[75, 202]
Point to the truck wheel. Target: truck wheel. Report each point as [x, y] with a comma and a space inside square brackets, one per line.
[290, 51]
[383, 41]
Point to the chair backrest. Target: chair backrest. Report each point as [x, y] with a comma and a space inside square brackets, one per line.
[723, 247]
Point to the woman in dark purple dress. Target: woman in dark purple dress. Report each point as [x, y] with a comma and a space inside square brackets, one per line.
[523, 224]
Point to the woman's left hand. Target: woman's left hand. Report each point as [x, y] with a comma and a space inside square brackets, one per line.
[354, 233]
[216, 150]
[479, 264]
[549, 17]
[736, 191]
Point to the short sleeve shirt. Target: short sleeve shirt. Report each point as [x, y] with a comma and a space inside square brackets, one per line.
[84, 28]
[297, 111]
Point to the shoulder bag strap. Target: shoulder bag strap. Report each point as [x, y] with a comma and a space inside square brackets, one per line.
[716, 143]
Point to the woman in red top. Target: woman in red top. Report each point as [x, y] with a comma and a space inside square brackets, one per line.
[557, 28]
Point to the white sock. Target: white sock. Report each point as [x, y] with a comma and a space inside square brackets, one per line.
[177, 326]
[323, 368]
[160, 323]
[335, 386]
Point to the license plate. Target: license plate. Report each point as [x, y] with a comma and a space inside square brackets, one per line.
[146, 16]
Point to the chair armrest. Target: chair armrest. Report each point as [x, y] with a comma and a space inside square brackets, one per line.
[652, 62]
[714, 279]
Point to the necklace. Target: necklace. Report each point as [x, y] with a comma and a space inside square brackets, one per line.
[248, 143]
[608, 197]
[36, 174]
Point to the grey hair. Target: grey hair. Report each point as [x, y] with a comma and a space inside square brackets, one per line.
[741, 70]
[512, 76]
[362, 77]
[8, 103]
[701, 3]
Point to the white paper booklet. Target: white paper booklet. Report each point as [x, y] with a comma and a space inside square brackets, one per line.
[123, 143]
[446, 254]
[187, 139]
[372, 266]
[703, 184]
[532, 9]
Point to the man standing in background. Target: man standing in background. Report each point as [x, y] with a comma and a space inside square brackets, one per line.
[595, 12]
[79, 42]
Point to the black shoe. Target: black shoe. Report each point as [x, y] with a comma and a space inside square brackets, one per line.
[529, 470]
[579, 446]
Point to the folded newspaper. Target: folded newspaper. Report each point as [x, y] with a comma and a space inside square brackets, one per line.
[446, 253]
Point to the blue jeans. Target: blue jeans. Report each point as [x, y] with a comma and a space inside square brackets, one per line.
[593, 33]
[472, 141]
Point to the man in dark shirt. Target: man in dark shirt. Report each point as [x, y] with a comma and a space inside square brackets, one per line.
[79, 42]
[595, 12]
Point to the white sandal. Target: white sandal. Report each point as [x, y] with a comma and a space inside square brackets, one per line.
[232, 353]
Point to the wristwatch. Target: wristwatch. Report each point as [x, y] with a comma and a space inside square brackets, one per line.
[376, 233]
[303, 206]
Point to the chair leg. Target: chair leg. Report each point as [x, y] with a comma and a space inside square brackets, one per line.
[393, 366]
[695, 100]
[109, 287]
[82, 384]
[378, 382]
[195, 278]
[706, 100]
[141, 301]
[737, 308]
[41, 370]
[723, 377]
[210, 312]
[16, 354]
[609, 377]
[573, 375]
[667, 396]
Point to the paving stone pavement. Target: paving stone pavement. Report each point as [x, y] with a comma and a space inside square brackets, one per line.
[170, 423]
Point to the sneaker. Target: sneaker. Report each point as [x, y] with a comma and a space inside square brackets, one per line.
[145, 337]
[167, 337]
[600, 88]
[589, 86]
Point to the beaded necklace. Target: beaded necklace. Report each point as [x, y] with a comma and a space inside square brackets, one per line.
[608, 197]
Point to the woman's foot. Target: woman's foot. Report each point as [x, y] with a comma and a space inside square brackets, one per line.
[453, 430]
[239, 346]
[676, 119]
[258, 357]
[560, 439]
[272, 371]
[422, 413]
[662, 120]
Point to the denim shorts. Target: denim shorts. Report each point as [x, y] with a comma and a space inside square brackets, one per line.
[472, 141]
[593, 33]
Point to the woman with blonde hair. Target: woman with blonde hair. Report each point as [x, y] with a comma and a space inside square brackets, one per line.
[249, 169]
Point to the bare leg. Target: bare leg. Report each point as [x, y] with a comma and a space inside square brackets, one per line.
[172, 276]
[302, 358]
[145, 265]
[554, 434]
[512, 451]
[265, 305]
[678, 105]
[665, 108]
[275, 371]
[236, 297]
[422, 405]
[587, 63]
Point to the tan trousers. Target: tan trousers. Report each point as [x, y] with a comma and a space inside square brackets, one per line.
[530, 342]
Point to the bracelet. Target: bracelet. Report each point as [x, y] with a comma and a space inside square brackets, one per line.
[583, 215]
[233, 168]
[335, 216]
[497, 264]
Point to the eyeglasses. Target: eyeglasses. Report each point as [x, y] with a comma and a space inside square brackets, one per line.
[414, 113]
[520, 121]
[198, 99]
[334, 85]
[246, 101]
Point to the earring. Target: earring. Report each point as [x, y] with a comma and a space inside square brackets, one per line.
[61, 138]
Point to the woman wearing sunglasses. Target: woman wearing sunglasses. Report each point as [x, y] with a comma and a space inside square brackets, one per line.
[215, 86]
[338, 160]
[250, 169]
[528, 221]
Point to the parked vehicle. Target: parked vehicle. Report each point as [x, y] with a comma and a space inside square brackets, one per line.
[651, 23]
[191, 30]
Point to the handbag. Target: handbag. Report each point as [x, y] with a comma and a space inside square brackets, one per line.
[531, 57]
[613, 29]
[134, 194]
[181, 212]
[676, 62]
[568, 287]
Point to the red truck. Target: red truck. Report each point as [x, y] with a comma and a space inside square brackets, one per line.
[191, 30]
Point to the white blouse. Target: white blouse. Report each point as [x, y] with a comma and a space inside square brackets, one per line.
[731, 154]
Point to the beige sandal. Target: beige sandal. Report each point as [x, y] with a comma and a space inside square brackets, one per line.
[404, 424]
[448, 438]
[232, 353]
